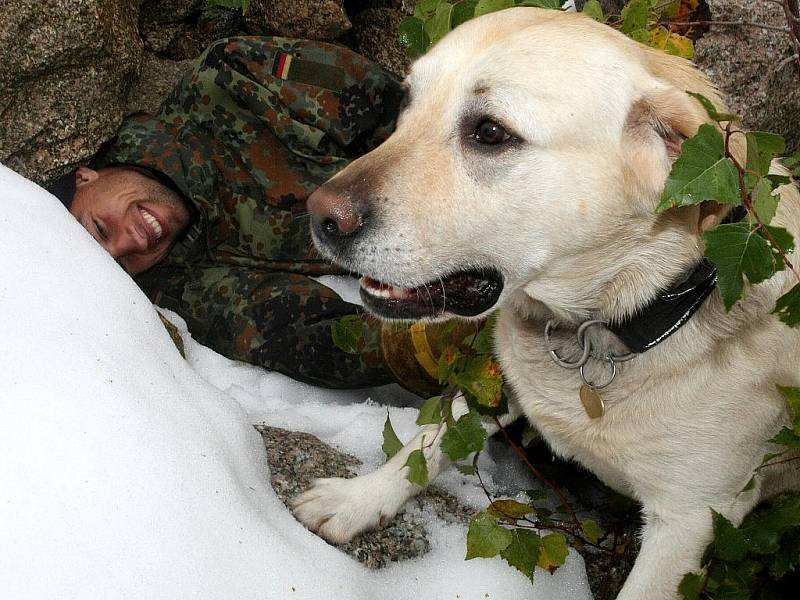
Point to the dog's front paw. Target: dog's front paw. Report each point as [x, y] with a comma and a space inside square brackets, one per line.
[339, 509]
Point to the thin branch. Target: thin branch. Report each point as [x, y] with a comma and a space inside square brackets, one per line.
[726, 24]
[786, 61]
[792, 12]
[777, 462]
[539, 475]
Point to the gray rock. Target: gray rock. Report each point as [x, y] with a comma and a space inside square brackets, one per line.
[158, 78]
[311, 19]
[297, 458]
[376, 32]
[66, 67]
[189, 30]
[168, 11]
[743, 61]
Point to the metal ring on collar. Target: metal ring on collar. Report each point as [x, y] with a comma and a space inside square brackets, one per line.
[582, 340]
[607, 383]
[560, 361]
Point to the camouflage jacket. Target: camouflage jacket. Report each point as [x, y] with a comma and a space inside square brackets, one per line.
[257, 126]
[249, 134]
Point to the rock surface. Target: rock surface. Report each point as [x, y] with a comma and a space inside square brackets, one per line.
[745, 62]
[377, 35]
[66, 67]
[311, 19]
[297, 458]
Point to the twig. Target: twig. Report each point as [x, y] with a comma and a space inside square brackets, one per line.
[539, 475]
[726, 24]
[792, 12]
[777, 462]
[786, 61]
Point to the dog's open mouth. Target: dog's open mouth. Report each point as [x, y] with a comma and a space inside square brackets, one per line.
[464, 293]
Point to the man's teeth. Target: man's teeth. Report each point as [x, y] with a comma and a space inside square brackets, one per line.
[153, 223]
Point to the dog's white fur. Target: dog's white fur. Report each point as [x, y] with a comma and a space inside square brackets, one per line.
[567, 216]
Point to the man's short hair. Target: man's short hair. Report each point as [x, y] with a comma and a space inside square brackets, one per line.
[158, 186]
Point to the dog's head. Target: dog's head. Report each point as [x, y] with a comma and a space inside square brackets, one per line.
[527, 162]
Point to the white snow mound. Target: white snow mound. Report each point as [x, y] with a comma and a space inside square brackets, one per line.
[128, 472]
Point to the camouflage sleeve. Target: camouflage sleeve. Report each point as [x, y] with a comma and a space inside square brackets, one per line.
[281, 321]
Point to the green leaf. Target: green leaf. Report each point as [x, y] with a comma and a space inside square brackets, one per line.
[691, 586]
[788, 557]
[792, 397]
[417, 468]
[449, 361]
[346, 333]
[482, 341]
[535, 495]
[425, 8]
[467, 435]
[430, 413]
[667, 11]
[680, 45]
[737, 250]
[793, 164]
[553, 552]
[702, 172]
[781, 237]
[751, 483]
[482, 378]
[635, 15]
[593, 9]
[712, 110]
[523, 551]
[592, 530]
[540, 3]
[788, 307]
[463, 12]
[762, 147]
[765, 527]
[413, 37]
[729, 543]
[779, 180]
[786, 437]
[440, 23]
[486, 538]
[484, 7]
[466, 469]
[509, 510]
[391, 443]
[643, 36]
[764, 202]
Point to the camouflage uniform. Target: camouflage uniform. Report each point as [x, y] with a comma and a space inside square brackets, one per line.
[256, 127]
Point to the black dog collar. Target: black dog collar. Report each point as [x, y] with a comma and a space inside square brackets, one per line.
[671, 309]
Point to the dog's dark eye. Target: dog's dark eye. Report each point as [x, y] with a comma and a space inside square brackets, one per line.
[490, 133]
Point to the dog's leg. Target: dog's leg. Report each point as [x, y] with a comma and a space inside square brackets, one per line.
[338, 509]
[672, 547]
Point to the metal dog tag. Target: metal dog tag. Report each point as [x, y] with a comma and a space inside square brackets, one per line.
[592, 401]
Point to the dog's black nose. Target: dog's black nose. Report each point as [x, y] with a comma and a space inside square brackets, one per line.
[333, 215]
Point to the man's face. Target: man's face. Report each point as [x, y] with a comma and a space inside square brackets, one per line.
[122, 210]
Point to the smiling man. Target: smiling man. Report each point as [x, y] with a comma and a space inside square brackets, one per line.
[130, 213]
[205, 204]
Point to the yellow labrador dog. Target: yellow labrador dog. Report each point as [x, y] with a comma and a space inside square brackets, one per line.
[524, 174]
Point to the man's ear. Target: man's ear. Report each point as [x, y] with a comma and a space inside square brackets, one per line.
[85, 175]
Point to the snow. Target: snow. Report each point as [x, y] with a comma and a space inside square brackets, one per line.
[129, 472]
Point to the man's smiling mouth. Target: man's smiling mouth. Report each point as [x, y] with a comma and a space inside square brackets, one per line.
[153, 224]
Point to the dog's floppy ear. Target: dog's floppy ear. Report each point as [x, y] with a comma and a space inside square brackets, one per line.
[657, 125]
